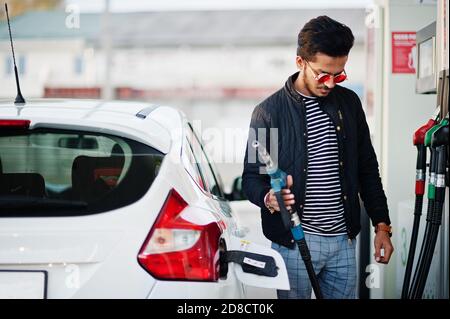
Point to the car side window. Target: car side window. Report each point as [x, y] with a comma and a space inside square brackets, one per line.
[206, 170]
[191, 163]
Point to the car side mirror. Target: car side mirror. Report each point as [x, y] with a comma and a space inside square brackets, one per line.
[236, 192]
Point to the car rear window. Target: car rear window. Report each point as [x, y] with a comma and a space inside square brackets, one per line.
[68, 173]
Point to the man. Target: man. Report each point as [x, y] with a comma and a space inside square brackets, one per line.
[323, 144]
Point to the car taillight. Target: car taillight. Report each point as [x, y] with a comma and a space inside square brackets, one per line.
[14, 124]
[179, 249]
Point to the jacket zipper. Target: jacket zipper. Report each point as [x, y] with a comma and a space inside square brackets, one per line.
[341, 118]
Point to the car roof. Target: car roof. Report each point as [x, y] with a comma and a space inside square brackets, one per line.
[144, 122]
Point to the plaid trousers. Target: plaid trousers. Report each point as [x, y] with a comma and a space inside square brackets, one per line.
[334, 262]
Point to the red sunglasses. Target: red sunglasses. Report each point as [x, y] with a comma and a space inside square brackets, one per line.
[325, 77]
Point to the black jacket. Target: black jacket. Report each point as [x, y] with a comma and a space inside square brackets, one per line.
[359, 174]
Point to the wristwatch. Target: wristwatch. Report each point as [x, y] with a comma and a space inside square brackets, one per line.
[383, 227]
[266, 203]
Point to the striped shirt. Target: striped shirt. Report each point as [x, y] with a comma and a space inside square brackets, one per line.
[323, 209]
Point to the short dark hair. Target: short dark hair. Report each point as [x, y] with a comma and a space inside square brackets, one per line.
[324, 35]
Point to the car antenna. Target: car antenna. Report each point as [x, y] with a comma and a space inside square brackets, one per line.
[19, 98]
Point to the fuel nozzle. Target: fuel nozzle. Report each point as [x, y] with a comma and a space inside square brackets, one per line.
[439, 141]
[264, 156]
[278, 178]
[421, 163]
[419, 134]
[433, 157]
[440, 136]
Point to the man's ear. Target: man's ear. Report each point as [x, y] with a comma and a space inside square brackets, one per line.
[300, 62]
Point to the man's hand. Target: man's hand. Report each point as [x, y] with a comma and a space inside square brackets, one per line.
[287, 196]
[383, 241]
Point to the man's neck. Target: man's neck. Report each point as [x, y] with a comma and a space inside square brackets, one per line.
[300, 87]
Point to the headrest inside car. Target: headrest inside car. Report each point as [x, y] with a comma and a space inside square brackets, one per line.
[22, 184]
[93, 177]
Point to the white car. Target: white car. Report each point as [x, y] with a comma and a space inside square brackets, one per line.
[115, 200]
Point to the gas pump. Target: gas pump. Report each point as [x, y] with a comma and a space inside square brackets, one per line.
[421, 166]
[437, 139]
[430, 276]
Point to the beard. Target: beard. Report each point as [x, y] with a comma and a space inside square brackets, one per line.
[312, 88]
